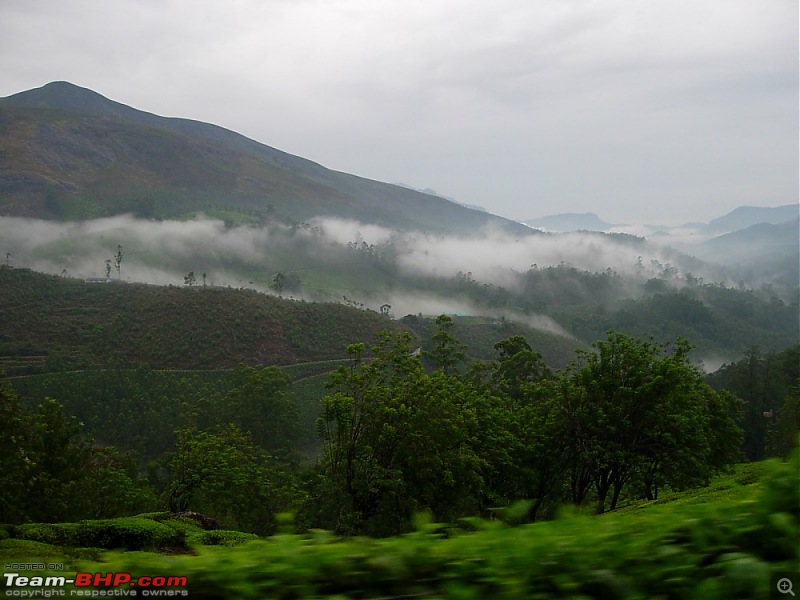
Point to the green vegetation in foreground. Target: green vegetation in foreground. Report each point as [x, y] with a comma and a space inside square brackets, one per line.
[724, 541]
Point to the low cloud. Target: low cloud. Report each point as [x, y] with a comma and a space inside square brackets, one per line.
[163, 252]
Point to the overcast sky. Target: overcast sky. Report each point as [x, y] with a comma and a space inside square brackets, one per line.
[642, 111]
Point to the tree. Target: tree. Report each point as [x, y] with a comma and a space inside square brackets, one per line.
[15, 474]
[521, 431]
[396, 440]
[118, 261]
[286, 282]
[764, 382]
[46, 457]
[783, 432]
[448, 352]
[223, 474]
[58, 457]
[259, 404]
[635, 409]
[117, 486]
[108, 268]
[189, 279]
[518, 367]
[278, 282]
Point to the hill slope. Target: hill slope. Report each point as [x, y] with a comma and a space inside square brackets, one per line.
[53, 323]
[69, 153]
[67, 323]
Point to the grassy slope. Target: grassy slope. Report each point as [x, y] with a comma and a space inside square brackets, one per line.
[725, 541]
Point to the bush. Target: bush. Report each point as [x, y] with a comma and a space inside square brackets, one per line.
[719, 549]
[131, 533]
[222, 537]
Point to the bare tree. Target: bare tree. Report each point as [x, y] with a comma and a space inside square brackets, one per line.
[118, 260]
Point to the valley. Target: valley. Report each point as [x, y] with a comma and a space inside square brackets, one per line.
[329, 368]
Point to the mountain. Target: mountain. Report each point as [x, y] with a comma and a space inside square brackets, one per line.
[745, 216]
[762, 251]
[570, 222]
[69, 153]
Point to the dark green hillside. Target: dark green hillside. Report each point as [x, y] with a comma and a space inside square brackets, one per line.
[66, 323]
[55, 323]
[70, 153]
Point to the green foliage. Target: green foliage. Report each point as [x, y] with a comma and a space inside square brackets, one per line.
[150, 405]
[714, 549]
[68, 324]
[44, 456]
[636, 411]
[396, 440]
[225, 475]
[446, 352]
[132, 533]
[259, 404]
[223, 537]
[767, 384]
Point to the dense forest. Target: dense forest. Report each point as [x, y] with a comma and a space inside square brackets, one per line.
[453, 455]
[400, 430]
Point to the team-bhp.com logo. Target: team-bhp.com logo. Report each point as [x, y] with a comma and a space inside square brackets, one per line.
[93, 584]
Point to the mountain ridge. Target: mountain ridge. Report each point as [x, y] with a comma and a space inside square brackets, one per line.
[743, 217]
[72, 153]
[566, 222]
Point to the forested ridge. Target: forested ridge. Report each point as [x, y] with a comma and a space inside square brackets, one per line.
[51, 323]
[398, 431]
[54, 323]
[403, 425]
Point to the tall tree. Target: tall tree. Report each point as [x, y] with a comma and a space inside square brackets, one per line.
[118, 261]
[447, 352]
[634, 407]
[395, 440]
[15, 473]
[521, 436]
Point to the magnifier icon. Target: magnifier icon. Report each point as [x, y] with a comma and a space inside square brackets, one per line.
[785, 586]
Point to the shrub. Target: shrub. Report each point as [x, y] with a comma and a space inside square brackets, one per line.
[223, 537]
[718, 549]
[131, 533]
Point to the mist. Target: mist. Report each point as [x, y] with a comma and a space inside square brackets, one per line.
[164, 252]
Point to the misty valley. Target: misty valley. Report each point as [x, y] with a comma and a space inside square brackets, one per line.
[233, 365]
[195, 414]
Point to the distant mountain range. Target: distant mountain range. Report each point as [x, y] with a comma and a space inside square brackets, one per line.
[757, 243]
[764, 251]
[565, 222]
[739, 218]
[747, 216]
[69, 153]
